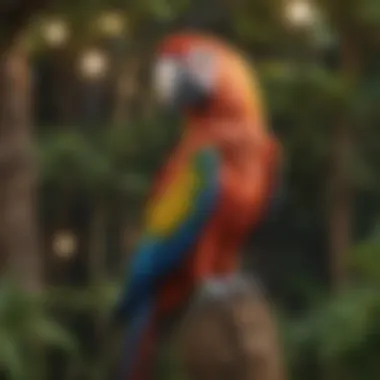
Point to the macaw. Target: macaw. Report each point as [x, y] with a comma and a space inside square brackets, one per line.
[214, 189]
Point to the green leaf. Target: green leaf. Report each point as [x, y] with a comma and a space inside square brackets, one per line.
[339, 325]
[11, 359]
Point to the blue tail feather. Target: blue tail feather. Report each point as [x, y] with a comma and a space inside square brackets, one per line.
[136, 334]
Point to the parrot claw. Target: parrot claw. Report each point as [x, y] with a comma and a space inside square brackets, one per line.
[223, 290]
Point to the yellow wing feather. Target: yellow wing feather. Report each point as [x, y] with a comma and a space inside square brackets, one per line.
[165, 213]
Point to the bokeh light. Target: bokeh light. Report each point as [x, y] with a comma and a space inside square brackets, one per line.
[64, 244]
[93, 64]
[55, 32]
[300, 13]
[111, 24]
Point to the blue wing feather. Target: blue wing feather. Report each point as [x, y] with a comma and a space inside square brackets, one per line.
[157, 257]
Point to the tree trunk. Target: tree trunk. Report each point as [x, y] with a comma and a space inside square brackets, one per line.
[341, 190]
[340, 195]
[98, 276]
[125, 90]
[340, 184]
[18, 222]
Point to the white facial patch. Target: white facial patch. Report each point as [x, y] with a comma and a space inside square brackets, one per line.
[201, 65]
[165, 78]
[171, 75]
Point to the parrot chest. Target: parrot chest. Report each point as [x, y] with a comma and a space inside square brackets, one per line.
[247, 180]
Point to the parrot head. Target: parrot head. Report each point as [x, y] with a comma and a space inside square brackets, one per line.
[197, 73]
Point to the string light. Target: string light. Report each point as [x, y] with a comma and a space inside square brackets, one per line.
[300, 13]
[111, 24]
[64, 244]
[93, 64]
[55, 32]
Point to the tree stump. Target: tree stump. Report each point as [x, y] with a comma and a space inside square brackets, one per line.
[230, 334]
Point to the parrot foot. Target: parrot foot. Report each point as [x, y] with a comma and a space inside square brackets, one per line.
[225, 289]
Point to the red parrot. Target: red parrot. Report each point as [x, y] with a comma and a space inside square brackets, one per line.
[215, 188]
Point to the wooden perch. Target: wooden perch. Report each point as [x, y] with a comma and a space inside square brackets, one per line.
[230, 334]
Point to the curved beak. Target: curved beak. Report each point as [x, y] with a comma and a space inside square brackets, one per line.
[176, 87]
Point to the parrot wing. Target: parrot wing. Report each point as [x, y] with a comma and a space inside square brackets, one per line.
[174, 220]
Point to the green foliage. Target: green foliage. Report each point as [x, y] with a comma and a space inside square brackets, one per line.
[345, 327]
[26, 330]
[365, 259]
[70, 158]
[114, 161]
[339, 325]
[91, 300]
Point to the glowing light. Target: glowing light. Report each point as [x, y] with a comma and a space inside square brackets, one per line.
[300, 13]
[64, 244]
[111, 24]
[55, 32]
[93, 64]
